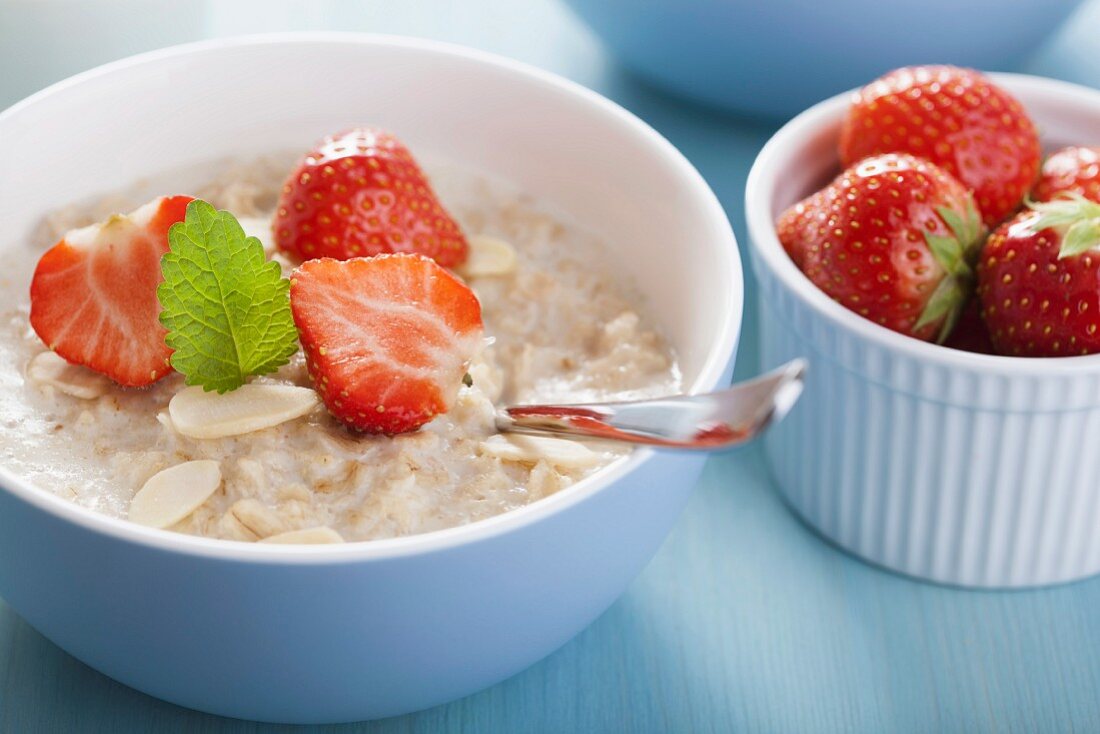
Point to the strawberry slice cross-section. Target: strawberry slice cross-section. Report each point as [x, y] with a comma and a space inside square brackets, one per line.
[387, 339]
[94, 294]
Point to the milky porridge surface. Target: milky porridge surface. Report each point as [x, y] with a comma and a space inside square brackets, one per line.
[564, 326]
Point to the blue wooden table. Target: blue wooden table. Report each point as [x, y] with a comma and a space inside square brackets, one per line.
[745, 620]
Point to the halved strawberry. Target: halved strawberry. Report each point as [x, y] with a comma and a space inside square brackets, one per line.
[94, 294]
[387, 339]
[360, 193]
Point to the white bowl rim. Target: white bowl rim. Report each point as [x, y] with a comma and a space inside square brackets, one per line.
[764, 175]
[718, 358]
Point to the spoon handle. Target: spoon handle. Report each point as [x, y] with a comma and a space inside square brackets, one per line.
[708, 422]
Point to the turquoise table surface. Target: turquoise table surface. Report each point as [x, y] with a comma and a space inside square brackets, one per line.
[745, 620]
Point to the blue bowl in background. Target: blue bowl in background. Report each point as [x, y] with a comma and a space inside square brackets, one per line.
[777, 57]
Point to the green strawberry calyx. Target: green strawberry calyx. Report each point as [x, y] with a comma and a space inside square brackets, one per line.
[957, 254]
[1074, 217]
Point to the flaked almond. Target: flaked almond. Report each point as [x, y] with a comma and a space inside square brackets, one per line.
[531, 449]
[49, 368]
[174, 493]
[230, 528]
[488, 256]
[257, 517]
[200, 414]
[165, 420]
[308, 536]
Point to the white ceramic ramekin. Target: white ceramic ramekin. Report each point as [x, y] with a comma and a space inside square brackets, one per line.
[955, 467]
[363, 630]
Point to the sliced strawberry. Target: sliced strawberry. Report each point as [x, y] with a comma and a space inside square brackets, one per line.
[360, 193]
[387, 339]
[94, 294]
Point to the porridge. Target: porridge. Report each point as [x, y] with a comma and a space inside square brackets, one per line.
[558, 327]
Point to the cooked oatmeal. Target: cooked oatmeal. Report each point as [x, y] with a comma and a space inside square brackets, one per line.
[560, 327]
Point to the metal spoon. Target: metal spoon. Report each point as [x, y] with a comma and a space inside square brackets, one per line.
[717, 420]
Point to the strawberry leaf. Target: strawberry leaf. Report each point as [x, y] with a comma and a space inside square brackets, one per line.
[226, 307]
[967, 229]
[1081, 237]
[945, 304]
[957, 255]
[1075, 218]
[1063, 211]
[957, 224]
[947, 251]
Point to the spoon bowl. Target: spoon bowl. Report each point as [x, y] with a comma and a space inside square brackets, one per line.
[717, 420]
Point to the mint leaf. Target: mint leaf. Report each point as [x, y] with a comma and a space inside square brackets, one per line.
[226, 307]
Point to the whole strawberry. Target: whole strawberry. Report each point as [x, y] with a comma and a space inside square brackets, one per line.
[956, 118]
[892, 238]
[1075, 169]
[798, 225]
[360, 193]
[1039, 280]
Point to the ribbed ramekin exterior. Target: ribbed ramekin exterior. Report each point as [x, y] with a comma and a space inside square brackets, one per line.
[966, 476]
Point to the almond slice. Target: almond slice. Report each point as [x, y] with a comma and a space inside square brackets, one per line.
[200, 414]
[308, 536]
[49, 368]
[257, 517]
[488, 256]
[174, 493]
[531, 449]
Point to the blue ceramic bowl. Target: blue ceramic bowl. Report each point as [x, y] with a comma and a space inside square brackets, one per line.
[352, 631]
[778, 57]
